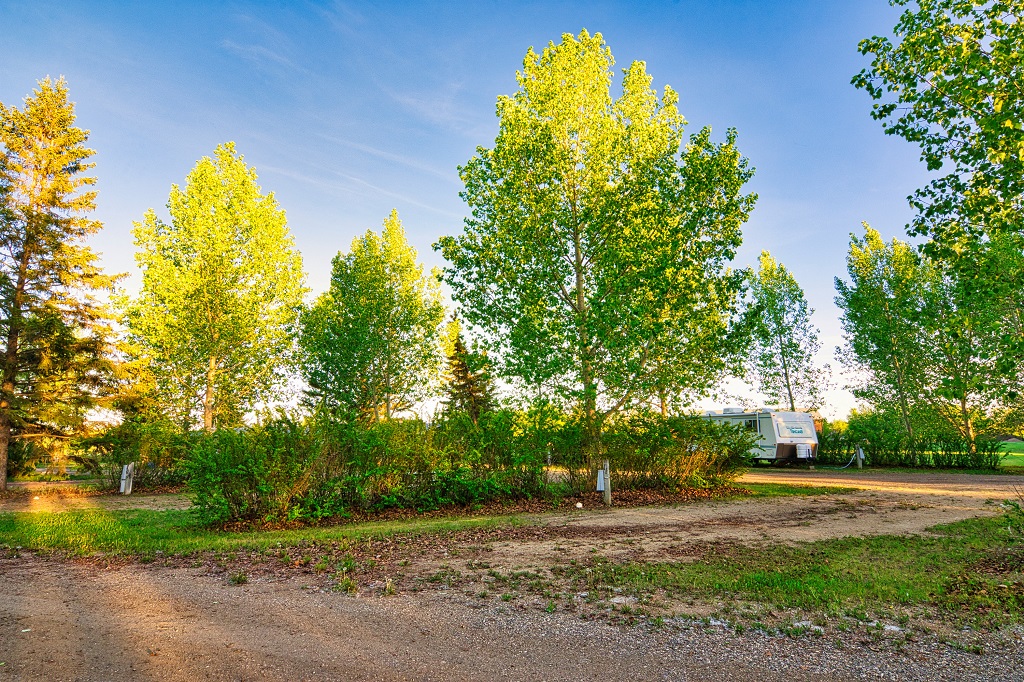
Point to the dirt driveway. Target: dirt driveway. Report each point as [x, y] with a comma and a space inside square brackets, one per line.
[882, 504]
[81, 621]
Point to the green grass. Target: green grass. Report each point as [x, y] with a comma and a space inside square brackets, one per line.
[1013, 448]
[972, 567]
[787, 490]
[1012, 460]
[144, 532]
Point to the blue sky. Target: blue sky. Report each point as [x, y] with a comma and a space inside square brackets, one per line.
[348, 110]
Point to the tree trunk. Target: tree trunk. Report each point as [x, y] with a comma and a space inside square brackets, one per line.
[587, 377]
[969, 432]
[211, 376]
[5, 440]
[785, 372]
[900, 383]
[10, 368]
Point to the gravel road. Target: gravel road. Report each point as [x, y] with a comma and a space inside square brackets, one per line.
[72, 622]
[65, 620]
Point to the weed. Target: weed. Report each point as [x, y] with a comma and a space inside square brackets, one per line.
[239, 578]
[346, 584]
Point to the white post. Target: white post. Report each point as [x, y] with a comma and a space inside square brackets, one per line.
[607, 484]
[127, 478]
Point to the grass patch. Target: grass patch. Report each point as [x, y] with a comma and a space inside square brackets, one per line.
[788, 490]
[973, 569]
[1012, 456]
[1012, 448]
[145, 532]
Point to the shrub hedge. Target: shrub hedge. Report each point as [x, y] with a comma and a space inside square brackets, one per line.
[320, 467]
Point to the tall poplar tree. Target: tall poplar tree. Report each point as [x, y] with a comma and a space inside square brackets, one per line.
[882, 306]
[925, 340]
[222, 287]
[371, 343]
[948, 79]
[53, 328]
[595, 257]
[781, 357]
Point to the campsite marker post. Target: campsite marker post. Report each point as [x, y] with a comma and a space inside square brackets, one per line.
[607, 484]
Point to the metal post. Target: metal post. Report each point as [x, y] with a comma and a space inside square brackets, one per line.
[607, 484]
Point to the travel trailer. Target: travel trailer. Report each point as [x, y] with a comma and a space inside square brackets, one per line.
[785, 436]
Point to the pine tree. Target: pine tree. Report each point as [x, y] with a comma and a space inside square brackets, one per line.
[469, 388]
[53, 328]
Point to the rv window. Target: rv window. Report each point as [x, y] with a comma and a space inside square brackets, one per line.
[750, 425]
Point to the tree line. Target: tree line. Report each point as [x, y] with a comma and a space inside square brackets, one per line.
[592, 272]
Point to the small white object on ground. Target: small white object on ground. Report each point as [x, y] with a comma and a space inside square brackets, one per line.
[579, 505]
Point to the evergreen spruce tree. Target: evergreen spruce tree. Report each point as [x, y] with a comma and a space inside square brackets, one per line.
[469, 388]
[53, 327]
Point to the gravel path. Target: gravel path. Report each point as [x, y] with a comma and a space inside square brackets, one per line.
[79, 621]
[996, 487]
[73, 622]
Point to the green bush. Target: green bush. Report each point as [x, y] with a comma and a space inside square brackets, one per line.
[157, 448]
[406, 463]
[324, 466]
[648, 451]
[255, 473]
[834, 444]
[885, 443]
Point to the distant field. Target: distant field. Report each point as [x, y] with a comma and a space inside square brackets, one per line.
[1014, 455]
[1012, 460]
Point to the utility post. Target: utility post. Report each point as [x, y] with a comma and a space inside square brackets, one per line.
[607, 484]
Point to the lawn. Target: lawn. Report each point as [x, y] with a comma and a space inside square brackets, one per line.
[972, 570]
[1013, 455]
[145, 532]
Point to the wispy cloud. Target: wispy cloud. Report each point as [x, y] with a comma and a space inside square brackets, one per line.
[352, 185]
[395, 195]
[341, 17]
[257, 53]
[397, 158]
[440, 109]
